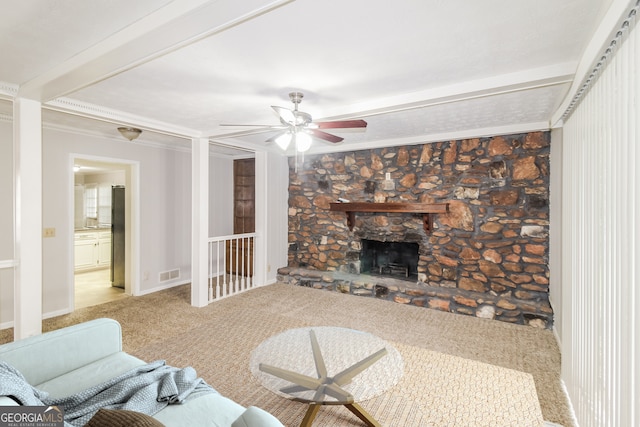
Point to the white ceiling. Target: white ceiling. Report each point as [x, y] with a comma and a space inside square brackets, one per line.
[415, 70]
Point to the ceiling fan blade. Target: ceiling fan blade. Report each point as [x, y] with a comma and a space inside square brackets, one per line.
[286, 115]
[326, 136]
[342, 124]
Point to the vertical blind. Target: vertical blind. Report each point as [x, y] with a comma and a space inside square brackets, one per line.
[601, 240]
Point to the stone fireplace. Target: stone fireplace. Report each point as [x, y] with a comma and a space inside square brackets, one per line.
[487, 256]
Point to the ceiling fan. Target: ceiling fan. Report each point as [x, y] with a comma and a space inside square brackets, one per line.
[298, 127]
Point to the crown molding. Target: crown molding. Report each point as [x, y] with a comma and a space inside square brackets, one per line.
[141, 141]
[97, 112]
[8, 90]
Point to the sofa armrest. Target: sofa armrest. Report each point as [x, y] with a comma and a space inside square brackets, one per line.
[256, 417]
[43, 357]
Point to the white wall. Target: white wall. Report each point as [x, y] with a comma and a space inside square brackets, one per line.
[6, 219]
[276, 177]
[220, 196]
[6, 190]
[555, 229]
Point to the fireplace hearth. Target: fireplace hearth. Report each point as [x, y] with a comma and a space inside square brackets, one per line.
[393, 259]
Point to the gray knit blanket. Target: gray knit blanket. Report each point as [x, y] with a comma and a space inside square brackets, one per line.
[148, 389]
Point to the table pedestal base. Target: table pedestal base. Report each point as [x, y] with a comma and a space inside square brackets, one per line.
[353, 407]
[323, 388]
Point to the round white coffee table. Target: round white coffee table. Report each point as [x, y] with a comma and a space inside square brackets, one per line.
[327, 365]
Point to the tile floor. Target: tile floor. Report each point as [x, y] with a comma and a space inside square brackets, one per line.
[94, 287]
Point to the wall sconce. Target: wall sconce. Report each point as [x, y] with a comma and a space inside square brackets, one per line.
[130, 133]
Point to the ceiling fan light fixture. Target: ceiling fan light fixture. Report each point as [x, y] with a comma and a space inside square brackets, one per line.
[303, 141]
[284, 140]
[129, 132]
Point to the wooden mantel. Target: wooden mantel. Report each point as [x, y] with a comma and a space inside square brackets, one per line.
[426, 209]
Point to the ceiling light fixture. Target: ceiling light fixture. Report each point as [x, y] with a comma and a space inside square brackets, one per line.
[284, 140]
[130, 133]
[303, 141]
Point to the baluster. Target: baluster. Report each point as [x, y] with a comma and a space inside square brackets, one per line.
[237, 284]
[218, 270]
[244, 282]
[210, 274]
[224, 280]
[250, 262]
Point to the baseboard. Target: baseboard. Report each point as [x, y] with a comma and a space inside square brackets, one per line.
[48, 315]
[557, 337]
[573, 413]
[163, 287]
[6, 325]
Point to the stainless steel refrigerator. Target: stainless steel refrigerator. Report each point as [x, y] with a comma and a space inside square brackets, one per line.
[117, 236]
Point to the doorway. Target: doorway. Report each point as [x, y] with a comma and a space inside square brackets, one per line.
[94, 185]
[244, 196]
[241, 250]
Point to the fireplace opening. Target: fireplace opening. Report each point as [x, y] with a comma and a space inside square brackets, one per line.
[395, 259]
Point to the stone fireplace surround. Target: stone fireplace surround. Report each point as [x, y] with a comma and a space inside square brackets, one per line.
[487, 257]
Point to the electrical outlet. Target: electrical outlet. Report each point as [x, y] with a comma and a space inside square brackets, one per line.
[49, 232]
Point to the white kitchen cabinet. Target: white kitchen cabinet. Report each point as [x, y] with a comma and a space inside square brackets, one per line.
[92, 250]
[104, 248]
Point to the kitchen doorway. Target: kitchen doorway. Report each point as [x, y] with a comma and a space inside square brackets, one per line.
[100, 210]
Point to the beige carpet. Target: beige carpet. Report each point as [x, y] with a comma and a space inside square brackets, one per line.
[458, 370]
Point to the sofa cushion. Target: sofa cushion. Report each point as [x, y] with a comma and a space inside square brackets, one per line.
[202, 410]
[122, 418]
[89, 375]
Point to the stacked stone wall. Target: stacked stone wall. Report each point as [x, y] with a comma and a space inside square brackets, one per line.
[487, 257]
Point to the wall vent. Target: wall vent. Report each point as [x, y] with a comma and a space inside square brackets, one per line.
[165, 276]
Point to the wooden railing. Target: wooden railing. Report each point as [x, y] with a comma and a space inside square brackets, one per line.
[231, 265]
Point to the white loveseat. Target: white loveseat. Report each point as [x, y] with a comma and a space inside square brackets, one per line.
[72, 359]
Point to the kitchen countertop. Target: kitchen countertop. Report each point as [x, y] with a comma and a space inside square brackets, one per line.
[108, 228]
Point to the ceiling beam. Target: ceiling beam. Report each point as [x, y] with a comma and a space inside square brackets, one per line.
[172, 27]
[496, 85]
[428, 138]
